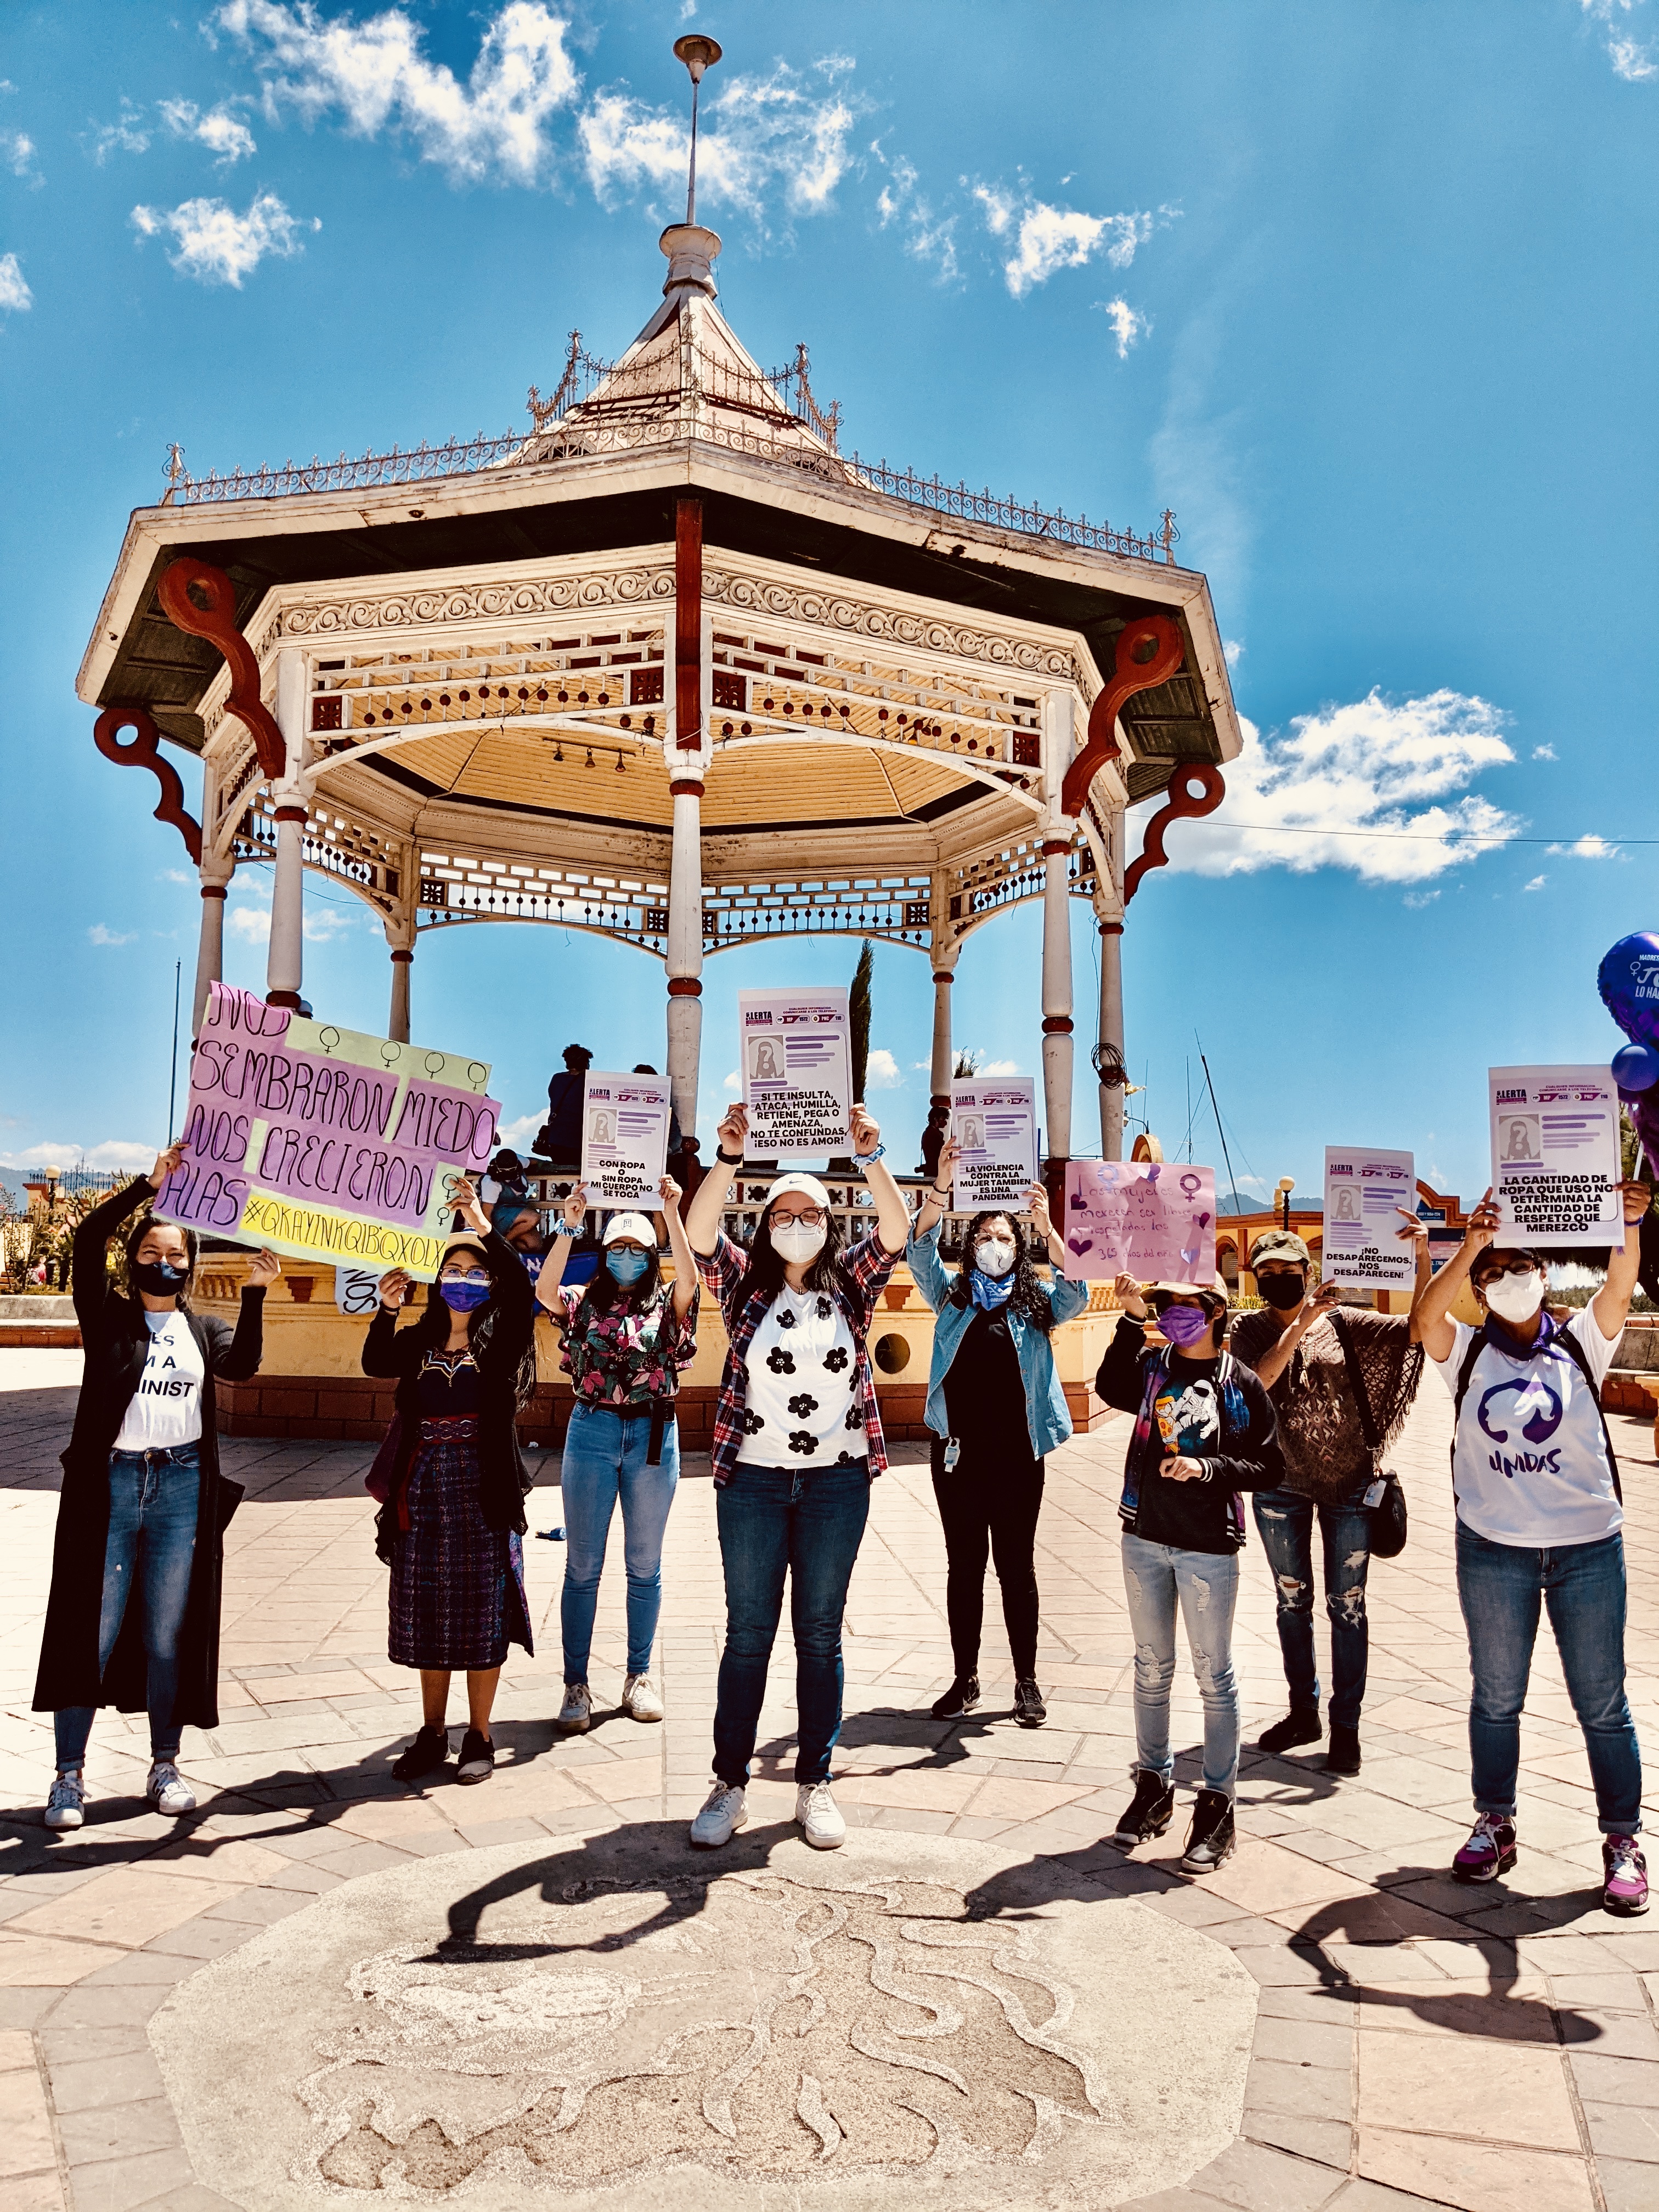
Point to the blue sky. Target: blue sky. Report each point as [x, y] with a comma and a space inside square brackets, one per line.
[1364, 293]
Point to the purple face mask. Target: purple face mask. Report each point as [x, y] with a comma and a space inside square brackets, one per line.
[1183, 1325]
[463, 1293]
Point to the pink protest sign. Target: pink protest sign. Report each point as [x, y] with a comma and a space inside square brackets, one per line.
[1155, 1221]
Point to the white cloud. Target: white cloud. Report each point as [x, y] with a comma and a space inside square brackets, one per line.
[733, 1083]
[1233, 650]
[113, 1152]
[128, 134]
[1049, 238]
[1536, 885]
[927, 237]
[223, 133]
[173, 876]
[881, 1071]
[1346, 787]
[17, 151]
[1127, 324]
[1589, 847]
[376, 75]
[1637, 62]
[1543, 752]
[216, 245]
[758, 136]
[1420, 898]
[521, 1133]
[102, 934]
[999, 1067]
[15, 294]
[251, 924]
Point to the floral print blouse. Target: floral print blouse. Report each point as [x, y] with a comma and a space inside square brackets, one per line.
[631, 1356]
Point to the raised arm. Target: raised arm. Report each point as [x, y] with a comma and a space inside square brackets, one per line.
[892, 1215]
[246, 1348]
[1274, 1362]
[936, 1199]
[1432, 1305]
[703, 1223]
[1611, 1304]
[572, 1213]
[88, 1277]
[685, 1263]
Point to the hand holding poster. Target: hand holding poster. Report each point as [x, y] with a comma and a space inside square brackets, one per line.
[1362, 1246]
[796, 1072]
[323, 1143]
[1555, 1165]
[625, 1137]
[994, 1124]
[1153, 1220]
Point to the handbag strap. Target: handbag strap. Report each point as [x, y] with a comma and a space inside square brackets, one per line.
[1356, 1383]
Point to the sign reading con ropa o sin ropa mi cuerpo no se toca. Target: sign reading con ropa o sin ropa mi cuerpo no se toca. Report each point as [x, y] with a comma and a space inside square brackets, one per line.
[323, 1143]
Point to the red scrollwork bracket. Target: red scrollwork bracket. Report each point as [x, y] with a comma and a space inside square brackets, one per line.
[144, 751]
[1182, 804]
[216, 622]
[1148, 650]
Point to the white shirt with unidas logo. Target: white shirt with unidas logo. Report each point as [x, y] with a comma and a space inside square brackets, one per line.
[166, 1407]
[1530, 1463]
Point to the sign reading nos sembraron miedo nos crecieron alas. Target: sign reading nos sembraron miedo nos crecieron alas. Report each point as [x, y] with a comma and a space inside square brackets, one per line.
[323, 1143]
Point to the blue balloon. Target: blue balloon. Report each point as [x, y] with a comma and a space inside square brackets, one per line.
[1628, 979]
[1636, 1068]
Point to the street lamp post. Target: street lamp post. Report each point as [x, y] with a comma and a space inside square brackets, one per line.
[1286, 1185]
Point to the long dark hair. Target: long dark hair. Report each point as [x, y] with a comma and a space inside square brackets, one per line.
[136, 1237]
[765, 1271]
[431, 1332]
[1029, 1299]
[603, 1291]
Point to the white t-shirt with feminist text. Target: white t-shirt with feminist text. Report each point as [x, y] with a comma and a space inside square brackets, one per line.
[799, 1409]
[1529, 1466]
[166, 1407]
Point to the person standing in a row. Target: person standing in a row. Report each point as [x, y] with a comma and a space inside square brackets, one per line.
[996, 1407]
[627, 1337]
[797, 1439]
[1204, 1432]
[452, 1525]
[137, 1565]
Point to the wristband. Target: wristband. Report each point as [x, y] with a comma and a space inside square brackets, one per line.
[564, 1229]
[943, 1194]
[865, 1158]
[728, 1160]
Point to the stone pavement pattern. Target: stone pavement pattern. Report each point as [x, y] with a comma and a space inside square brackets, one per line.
[1414, 2042]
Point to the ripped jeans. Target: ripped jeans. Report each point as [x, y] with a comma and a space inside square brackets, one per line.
[1206, 1584]
[1286, 1519]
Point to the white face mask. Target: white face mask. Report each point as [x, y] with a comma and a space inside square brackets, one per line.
[1514, 1297]
[795, 1243]
[993, 1256]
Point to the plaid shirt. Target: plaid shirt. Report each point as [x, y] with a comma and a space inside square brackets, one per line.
[865, 1267]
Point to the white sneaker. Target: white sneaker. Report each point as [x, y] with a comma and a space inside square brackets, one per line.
[168, 1791]
[820, 1817]
[641, 1700]
[64, 1805]
[725, 1811]
[577, 1711]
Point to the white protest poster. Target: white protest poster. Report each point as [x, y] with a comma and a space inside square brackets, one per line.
[1153, 1220]
[796, 1072]
[1555, 1163]
[356, 1290]
[1363, 1247]
[994, 1121]
[625, 1137]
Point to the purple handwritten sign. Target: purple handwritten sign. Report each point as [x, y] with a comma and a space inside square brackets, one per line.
[1153, 1220]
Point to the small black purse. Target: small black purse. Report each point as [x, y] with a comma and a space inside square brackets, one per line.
[1388, 1529]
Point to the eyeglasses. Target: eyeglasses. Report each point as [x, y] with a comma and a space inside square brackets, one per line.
[810, 1216]
[1515, 1267]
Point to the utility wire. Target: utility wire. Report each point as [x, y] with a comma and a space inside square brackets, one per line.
[1231, 1178]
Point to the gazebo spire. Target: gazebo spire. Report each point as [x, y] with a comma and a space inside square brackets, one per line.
[698, 54]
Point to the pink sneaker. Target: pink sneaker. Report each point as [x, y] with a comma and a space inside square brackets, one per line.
[1489, 1853]
[1625, 1877]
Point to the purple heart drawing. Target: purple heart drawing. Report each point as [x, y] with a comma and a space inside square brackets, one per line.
[1079, 1245]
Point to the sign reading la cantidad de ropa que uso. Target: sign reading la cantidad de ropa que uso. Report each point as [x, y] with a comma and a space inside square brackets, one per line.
[325, 1144]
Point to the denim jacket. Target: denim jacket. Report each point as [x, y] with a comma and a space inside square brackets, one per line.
[1047, 1420]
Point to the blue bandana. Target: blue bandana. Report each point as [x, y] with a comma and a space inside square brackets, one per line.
[990, 1292]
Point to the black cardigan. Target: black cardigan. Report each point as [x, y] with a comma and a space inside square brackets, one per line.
[390, 1351]
[116, 1339]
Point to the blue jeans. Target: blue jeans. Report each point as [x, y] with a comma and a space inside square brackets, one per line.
[810, 1521]
[1285, 1520]
[1206, 1585]
[605, 1459]
[150, 1549]
[1582, 1585]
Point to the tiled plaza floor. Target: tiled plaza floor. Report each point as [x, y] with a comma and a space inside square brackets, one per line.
[1417, 2042]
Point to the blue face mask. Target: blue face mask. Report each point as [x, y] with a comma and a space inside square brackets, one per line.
[625, 1267]
[463, 1293]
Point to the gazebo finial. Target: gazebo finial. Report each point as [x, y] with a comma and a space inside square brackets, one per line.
[698, 54]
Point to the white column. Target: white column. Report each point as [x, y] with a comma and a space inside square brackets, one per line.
[1057, 996]
[944, 1058]
[285, 964]
[397, 1026]
[685, 950]
[1111, 1032]
[210, 946]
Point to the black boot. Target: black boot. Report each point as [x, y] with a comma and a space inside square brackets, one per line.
[961, 1698]
[427, 1754]
[1210, 1839]
[1150, 1810]
[1343, 1757]
[1300, 1725]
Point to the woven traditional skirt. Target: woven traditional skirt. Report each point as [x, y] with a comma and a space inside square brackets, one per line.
[457, 1597]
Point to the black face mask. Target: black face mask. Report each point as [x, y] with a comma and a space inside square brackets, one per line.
[1282, 1292]
[157, 1279]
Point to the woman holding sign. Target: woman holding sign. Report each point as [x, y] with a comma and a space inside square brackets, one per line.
[797, 1439]
[451, 1527]
[627, 1337]
[133, 1618]
[996, 1408]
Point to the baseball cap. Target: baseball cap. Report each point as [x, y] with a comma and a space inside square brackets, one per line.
[1279, 1244]
[1492, 1259]
[465, 1240]
[629, 1225]
[805, 1186]
[1211, 1293]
